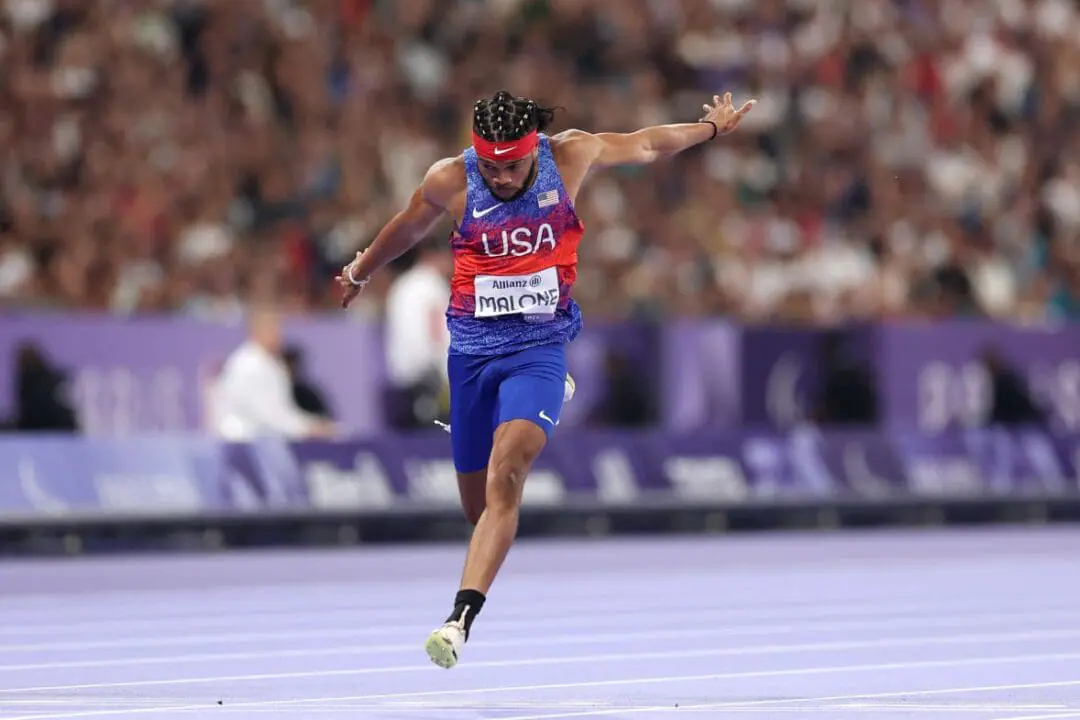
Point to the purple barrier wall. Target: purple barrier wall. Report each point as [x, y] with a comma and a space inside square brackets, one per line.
[148, 375]
[699, 375]
[783, 370]
[929, 377]
[57, 476]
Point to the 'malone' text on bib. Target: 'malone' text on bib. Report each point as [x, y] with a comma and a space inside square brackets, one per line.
[535, 294]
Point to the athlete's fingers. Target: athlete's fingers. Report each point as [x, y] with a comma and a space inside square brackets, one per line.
[347, 299]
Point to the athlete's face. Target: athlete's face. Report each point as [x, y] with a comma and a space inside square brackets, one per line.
[506, 179]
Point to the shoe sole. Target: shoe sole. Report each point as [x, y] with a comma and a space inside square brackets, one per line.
[440, 650]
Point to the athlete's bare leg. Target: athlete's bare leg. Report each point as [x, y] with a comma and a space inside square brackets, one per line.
[472, 489]
[517, 445]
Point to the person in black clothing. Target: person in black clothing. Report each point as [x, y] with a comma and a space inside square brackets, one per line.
[40, 390]
[626, 401]
[848, 394]
[307, 395]
[1011, 403]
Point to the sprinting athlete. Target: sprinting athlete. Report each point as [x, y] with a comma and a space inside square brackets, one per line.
[511, 314]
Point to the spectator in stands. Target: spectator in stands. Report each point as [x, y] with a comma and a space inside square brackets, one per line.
[907, 158]
[252, 397]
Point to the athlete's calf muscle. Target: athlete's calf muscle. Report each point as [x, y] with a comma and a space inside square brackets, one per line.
[472, 487]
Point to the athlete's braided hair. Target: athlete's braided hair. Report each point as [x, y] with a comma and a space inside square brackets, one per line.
[505, 118]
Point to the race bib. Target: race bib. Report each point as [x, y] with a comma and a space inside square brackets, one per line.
[535, 295]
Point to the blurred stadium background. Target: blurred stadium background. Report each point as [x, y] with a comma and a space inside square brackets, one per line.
[861, 307]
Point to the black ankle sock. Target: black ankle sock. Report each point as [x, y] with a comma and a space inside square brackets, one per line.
[467, 604]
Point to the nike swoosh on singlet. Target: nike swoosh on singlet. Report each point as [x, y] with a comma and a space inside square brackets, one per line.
[481, 213]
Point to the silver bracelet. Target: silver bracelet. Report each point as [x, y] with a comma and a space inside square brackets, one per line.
[353, 280]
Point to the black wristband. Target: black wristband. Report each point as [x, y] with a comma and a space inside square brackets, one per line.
[715, 130]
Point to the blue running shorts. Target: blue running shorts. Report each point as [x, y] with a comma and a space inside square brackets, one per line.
[488, 390]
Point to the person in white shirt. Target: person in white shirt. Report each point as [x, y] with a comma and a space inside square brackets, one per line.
[417, 339]
[253, 395]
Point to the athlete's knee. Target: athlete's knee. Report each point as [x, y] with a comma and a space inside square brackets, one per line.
[517, 445]
[471, 488]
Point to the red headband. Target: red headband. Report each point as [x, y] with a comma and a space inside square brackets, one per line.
[505, 151]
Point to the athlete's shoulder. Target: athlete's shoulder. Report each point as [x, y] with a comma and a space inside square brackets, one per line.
[572, 137]
[444, 180]
[576, 144]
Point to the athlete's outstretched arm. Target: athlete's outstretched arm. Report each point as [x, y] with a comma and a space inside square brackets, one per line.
[405, 229]
[650, 144]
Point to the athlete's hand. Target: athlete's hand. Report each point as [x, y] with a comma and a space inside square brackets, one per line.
[724, 114]
[351, 289]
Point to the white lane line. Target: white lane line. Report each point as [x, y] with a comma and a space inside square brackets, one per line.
[903, 642]
[802, 703]
[308, 703]
[531, 611]
[1050, 716]
[304, 599]
[763, 629]
[373, 626]
[971, 621]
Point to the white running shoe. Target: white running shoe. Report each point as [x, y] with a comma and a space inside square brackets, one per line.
[443, 645]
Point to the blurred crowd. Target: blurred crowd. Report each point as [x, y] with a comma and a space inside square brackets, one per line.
[905, 158]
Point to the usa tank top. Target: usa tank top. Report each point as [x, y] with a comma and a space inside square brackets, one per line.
[515, 264]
